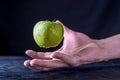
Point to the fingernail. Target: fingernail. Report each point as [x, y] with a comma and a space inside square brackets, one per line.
[28, 51]
[57, 21]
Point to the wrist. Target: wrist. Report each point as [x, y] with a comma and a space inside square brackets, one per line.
[111, 46]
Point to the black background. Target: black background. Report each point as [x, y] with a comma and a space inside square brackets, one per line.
[96, 18]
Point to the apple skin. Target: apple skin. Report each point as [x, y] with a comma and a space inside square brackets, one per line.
[48, 34]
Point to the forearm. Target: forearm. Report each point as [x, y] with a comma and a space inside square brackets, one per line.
[112, 47]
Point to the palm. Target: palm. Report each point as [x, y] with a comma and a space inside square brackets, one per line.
[73, 40]
[76, 44]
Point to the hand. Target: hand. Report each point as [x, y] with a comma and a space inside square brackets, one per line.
[77, 49]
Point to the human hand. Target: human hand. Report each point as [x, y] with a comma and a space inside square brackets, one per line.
[77, 49]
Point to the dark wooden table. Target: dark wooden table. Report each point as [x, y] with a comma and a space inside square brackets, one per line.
[12, 68]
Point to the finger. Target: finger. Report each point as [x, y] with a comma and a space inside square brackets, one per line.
[47, 63]
[71, 60]
[46, 69]
[38, 55]
[27, 63]
[40, 68]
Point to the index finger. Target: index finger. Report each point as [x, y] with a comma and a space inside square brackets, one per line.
[38, 55]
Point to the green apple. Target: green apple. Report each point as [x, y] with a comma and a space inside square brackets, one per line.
[48, 34]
